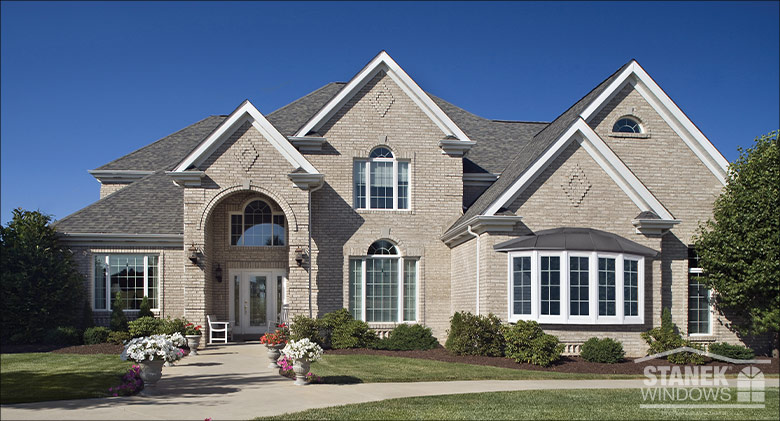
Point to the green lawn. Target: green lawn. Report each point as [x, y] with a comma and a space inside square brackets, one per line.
[375, 368]
[36, 377]
[609, 404]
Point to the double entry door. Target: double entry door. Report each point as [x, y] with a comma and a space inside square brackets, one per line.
[255, 299]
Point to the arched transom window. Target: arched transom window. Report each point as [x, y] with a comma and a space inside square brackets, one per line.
[381, 181]
[257, 225]
[627, 125]
[383, 285]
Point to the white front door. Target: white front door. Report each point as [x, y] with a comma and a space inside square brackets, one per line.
[255, 297]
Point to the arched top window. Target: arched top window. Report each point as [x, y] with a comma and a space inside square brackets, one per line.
[627, 125]
[381, 152]
[382, 248]
[257, 225]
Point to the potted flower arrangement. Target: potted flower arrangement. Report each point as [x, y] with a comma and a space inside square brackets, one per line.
[302, 352]
[150, 352]
[274, 342]
[178, 341]
[193, 334]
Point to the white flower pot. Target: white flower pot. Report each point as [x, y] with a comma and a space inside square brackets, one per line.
[193, 341]
[301, 368]
[151, 372]
[274, 352]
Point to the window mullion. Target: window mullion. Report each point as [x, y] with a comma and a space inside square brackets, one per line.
[536, 289]
[395, 184]
[593, 283]
[364, 290]
[400, 307]
[107, 272]
[620, 274]
[146, 276]
[368, 183]
[564, 286]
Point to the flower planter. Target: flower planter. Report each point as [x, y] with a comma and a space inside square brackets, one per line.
[301, 368]
[150, 373]
[193, 341]
[274, 352]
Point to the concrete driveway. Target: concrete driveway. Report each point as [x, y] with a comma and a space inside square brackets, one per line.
[230, 382]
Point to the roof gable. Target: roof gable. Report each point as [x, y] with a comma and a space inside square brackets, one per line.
[246, 112]
[384, 63]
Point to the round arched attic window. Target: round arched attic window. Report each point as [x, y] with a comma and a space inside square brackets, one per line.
[627, 125]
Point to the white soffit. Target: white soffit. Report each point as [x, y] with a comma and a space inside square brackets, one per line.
[669, 111]
[246, 112]
[602, 154]
[383, 62]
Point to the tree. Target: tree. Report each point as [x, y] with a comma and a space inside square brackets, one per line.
[118, 318]
[146, 308]
[739, 248]
[41, 288]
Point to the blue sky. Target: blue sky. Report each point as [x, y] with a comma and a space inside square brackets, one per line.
[82, 84]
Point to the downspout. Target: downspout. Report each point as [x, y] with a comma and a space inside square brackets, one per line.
[468, 228]
[310, 192]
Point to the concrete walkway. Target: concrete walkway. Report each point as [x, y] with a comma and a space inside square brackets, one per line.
[232, 382]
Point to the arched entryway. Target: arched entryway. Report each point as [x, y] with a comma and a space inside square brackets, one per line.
[247, 244]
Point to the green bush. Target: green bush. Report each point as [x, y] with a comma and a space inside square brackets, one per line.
[475, 335]
[604, 350]
[170, 326]
[665, 338]
[118, 318]
[738, 352]
[146, 308]
[330, 321]
[63, 335]
[353, 334]
[408, 337]
[306, 327]
[526, 342]
[87, 320]
[145, 326]
[96, 335]
[118, 338]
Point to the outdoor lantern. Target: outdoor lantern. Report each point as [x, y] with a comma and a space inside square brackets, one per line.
[299, 256]
[218, 273]
[193, 254]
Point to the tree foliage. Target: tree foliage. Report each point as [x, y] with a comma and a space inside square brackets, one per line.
[41, 288]
[739, 247]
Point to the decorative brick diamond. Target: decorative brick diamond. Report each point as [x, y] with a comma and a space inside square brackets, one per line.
[382, 100]
[577, 186]
[248, 156]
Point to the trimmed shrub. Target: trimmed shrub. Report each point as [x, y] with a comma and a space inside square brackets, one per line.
[63, 335]
[604, 350]
[737, 352]
[526, 342]
[118, 318]
[475, 335]
[305, 327]
[146, 308]
[353, 334]
[170, 326]
[87, 320]
[666, 338]
[145, 326]
[409, 337]
[96, 335]
[330, 321]
[118, 338]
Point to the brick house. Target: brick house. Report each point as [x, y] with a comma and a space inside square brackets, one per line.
[377, 197]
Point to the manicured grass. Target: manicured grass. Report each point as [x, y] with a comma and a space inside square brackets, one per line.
[36, 377]
[375, 368]
[605, 404]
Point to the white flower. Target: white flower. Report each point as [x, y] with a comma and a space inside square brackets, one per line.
[147, 347]
[304, 349]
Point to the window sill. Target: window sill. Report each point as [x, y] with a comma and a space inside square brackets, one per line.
[576, 320]
[630, 135]
[232, 246]
[381, 211]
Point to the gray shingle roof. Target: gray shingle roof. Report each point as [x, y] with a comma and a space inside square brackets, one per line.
[580, 239]
[527, 153]
[294, 115]
[151, 205]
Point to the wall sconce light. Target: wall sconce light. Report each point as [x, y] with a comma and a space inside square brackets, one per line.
[218, 273]
[193, 254]
[299, 256]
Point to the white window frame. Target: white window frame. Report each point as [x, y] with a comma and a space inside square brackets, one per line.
[400, 280]
[109, 298]
[241, 213]
[699, 271]
[366, 163]
[565, 318]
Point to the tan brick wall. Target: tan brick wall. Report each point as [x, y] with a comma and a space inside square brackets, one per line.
[106, 189]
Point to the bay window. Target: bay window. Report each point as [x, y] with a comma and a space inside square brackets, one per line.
[133, 276]
[381, 182]
[383, 285]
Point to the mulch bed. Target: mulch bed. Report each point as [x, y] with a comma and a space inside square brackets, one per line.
[91, 349]
[564, 365]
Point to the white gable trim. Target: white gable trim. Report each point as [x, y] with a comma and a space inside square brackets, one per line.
[246, 112]
[602, 154]
[383, 62]
[669, 111]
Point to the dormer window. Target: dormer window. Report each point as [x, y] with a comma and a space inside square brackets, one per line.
[381, 181]
[627, 125]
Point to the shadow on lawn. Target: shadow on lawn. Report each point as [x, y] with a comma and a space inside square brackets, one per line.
[341, 380]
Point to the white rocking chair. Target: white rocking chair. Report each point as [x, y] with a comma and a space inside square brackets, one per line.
[218, 327]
